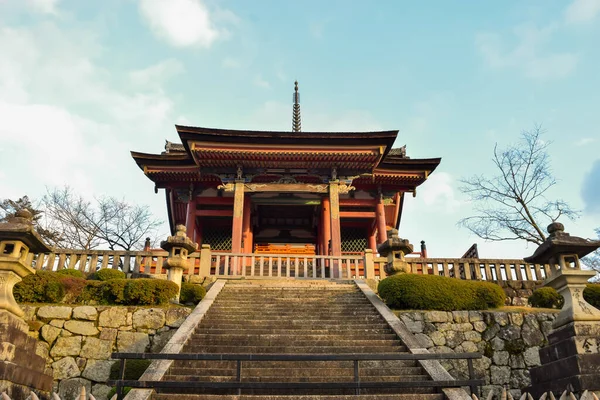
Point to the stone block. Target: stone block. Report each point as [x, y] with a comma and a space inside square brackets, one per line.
[481, 367]
[95, 348]
[454, 338]
[134, 342]
[71, 388]
[531, 356]
[462, 327]
[460, 316]
[520, 378]
[469, 346]
[97, 370]
[520, 301]
[500, 357]
[516, 361]
[497, 344]
[501, 318]
[100, 391]
[473, 336]
[81, 363]
[159, 340]
[515, 318]
[438, 338]
[109, 334]
[65, 368]
[437, 316]
[444, 327]
[87, 313]
[50, 333]
[490, 332]
[54, 312]
[113, 317]
[174, 317]
[85, 328]
[29, 312]
[532, 336]
[59, 323]
[42, 349]
[500, 375]
[479, 326]
[475, 316]
[66, 346]
[511, 332]
[425, 341]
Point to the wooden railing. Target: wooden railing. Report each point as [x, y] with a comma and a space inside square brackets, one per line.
[478, 269]
[288, 265]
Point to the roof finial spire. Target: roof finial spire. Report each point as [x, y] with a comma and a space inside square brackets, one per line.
[296, 121]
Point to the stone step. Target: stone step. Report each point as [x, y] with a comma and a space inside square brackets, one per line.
[292, 349]
[290, 379]
[418, 396]
[295, 372]
[294, 326]
[235, 337]
[349, 332]
[294, 319]
[217, 340]
[231, 365]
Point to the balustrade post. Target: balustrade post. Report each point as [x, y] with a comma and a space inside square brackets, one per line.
[369, 264]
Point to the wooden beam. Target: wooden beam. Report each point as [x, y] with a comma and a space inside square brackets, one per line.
[214, 213]
[214, 200]
[357, 214]
[358, 202]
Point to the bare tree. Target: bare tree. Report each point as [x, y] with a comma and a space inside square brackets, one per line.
[512, 205]
[9, 208]
[106, 221]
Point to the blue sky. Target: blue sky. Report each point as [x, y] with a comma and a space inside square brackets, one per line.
[83, 83]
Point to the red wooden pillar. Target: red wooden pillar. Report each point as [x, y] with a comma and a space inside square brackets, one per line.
[336, 234]
[190, 219]
[381, 225]
[372, 241]
[326, 226]
[238, 214]
[247, 226]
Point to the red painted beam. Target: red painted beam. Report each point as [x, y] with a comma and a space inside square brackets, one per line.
[214, 213]
[357, 214]
[214, 200]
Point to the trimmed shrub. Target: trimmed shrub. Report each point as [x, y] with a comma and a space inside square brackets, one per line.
[71, 272]
[92, 293]
[432, 292]
[107, 274]
[191, 293]
[41, 287]
[73, 288]
[147, 291]
[591, 294]
[112, 291]
[546, 297]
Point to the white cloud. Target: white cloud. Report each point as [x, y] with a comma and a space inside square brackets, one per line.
[528, 54]
[439, 192]
[230, 62]
[44, 6]
[157, 74]
[181, 23]
[65, 120]
[260, 82]
[582, 11]
[584, 141]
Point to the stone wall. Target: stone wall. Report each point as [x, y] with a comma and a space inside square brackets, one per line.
[510, 342]
[77, 341]
[517, 292]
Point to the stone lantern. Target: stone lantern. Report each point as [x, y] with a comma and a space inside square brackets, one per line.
[395, 249]
[17, 239]
[178, 246]
[572, 356]
[22, 369]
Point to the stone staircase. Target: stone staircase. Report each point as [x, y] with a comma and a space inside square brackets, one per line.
[294, 317]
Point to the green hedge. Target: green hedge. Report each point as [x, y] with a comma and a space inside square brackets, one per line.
[546, 297]
[71, 272]
[591, 294]
[431, 292]
[107, 274]
[60, 287]
[191, 293]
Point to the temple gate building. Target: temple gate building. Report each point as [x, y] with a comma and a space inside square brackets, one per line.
[294, 192]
